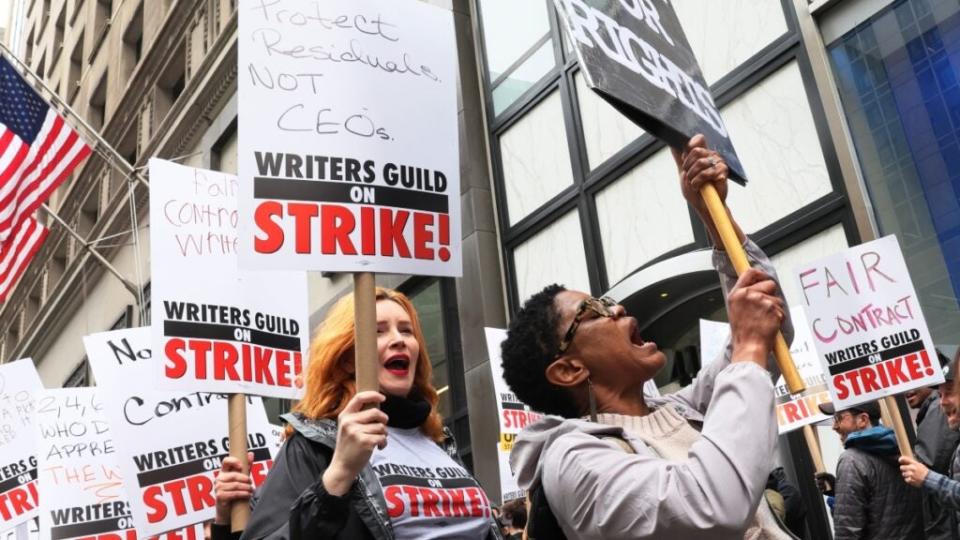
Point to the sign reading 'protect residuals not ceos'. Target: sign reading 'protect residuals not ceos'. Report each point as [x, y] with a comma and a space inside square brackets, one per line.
[217, 328]
[866, 323]
[635, 55]
[168, 445]
[348, 138]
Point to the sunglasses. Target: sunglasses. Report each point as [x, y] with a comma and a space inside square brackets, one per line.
[602, 307]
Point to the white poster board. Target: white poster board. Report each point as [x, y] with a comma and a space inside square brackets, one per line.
[169, 444]
[19, 490]
[866, 323]
[793, 411]
[83, 495]
[348, 137]
[219, 329]
[512, 414]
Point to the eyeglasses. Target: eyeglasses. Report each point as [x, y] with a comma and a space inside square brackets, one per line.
[838, 417]
[602, 306]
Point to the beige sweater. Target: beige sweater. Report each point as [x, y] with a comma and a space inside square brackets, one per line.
[671, 436]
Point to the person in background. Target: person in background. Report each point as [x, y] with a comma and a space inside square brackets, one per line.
[369, 465]
[689, 465]
[794, 513]
[870, 500]
[936, 442]
[945, 487]
[513, 518]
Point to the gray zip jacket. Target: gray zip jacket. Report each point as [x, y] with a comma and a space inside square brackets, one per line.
[598, 491]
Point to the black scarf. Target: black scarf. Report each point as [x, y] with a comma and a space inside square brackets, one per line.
[405, 413]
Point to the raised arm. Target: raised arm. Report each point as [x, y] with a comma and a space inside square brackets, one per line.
[697, 165]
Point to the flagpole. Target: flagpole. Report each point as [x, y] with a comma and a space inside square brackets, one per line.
[102, 146]
[126, 283]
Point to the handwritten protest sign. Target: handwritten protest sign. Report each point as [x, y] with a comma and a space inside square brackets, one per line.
[634, 54]
[796, 410]
[83, 496]
[169, 445]
[220, 329]
[866, 323]
[19, 497]
[348, 136]
[513, 415]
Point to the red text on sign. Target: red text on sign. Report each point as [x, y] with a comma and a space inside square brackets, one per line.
[876, 377]
[328, 229]
[205, 359]
[19, 501]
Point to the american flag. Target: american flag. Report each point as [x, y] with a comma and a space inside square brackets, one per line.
[37, 153]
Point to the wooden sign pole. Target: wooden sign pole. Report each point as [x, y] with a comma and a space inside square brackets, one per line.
[237, 421]
[739, 259]
[365, 332]
[813, 444]
[891, 415]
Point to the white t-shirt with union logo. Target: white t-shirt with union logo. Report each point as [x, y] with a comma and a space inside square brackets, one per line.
[428, 494]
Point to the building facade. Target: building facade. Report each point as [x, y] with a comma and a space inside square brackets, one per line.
[845, 114]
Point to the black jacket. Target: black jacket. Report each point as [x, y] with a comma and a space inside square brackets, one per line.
[293, 504]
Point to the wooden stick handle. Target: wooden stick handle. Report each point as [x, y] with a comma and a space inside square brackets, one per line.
[813, 444]
[734, 249]
[237, 422]
[365, 331]
[891, 415]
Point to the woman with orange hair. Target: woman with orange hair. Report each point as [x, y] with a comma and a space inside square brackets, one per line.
[348, 471]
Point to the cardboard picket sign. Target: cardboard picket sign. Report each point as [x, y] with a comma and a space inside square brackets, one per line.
[348, 137]
[83, 496]
[220, 329]
[796, 410]
[634, 54]
[866, 323]
[19, 489]
[169, 445]
[512, 414]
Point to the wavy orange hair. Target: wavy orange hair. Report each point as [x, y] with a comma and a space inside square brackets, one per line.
[330, 386]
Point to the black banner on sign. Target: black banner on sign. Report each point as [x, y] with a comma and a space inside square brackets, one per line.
[190, 468]
[634, 54]
[224, 332]
[320, 191]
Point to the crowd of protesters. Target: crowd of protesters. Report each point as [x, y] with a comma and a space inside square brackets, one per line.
[605, 461]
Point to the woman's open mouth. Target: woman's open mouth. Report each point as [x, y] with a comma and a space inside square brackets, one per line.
[635, 333]
[398, 365]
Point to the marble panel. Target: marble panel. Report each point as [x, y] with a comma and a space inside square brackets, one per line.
[725, 34]
[642, 215]
[605, 130]
[536, 158]
[554, 255]
[772, 129]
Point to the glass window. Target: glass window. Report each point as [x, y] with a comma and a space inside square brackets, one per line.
[509, 88]
[553, 255]
[719, 50]
[518, 47]
[430, 311]
[511, 29]
[774, 134]
[897, 75]
[605, 130]
[642, 215]
[536, 158]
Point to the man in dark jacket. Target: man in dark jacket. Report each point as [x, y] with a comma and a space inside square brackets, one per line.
[872, 502]
[935, 445]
